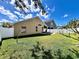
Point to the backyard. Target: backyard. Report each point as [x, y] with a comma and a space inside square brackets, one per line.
[68, 45]
[55, 25]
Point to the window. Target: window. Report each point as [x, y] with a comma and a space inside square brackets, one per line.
[36, 28]
[39, 25]
[23, 29]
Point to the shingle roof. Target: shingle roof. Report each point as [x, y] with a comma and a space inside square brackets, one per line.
[28, 20]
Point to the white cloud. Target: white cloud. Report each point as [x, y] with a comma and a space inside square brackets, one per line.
[31, 7]
[12, 2]
[28, 16]
[53, 9]
[65, 15]
[19, 14]
[5, 20]
[46, 6]
[45, 16]
[17, 8]
[23, 16]
[8, 13]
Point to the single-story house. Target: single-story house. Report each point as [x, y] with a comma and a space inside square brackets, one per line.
[28, 27]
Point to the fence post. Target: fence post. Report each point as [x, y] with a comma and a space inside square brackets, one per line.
[0, 41]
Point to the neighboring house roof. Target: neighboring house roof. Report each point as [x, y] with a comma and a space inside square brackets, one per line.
[50, 23]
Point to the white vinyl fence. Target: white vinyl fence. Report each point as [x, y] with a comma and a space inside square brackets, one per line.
[61, 30]
[9, 32]
[6, 32]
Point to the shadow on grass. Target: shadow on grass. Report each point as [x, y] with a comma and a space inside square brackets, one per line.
[75, 52]
[69, 36]
[25, 36]
[33, 35]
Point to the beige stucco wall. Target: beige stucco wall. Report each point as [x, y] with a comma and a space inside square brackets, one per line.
[30, 27]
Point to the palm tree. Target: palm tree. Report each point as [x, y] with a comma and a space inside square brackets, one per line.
[74, 24]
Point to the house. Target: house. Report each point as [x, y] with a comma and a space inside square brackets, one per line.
[28, 27]
[50, 24]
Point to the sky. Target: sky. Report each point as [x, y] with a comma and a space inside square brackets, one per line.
[61, 11]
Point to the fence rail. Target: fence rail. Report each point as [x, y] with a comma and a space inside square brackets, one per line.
[60, 30]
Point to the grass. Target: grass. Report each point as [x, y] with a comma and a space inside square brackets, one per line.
[53, 42]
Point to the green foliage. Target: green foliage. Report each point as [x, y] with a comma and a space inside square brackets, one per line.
[7, 24]
[73, 23]
[37, 3]
[22, 5]
[39, 52]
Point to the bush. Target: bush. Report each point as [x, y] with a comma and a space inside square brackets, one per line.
[39, 52]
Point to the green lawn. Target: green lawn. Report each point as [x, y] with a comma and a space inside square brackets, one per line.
[53, 42]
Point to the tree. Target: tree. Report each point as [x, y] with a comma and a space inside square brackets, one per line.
[7, 24]
[21, 5]
[74, 25]
[37, 3]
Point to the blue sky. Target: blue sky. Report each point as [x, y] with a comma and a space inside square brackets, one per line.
[62, 11]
